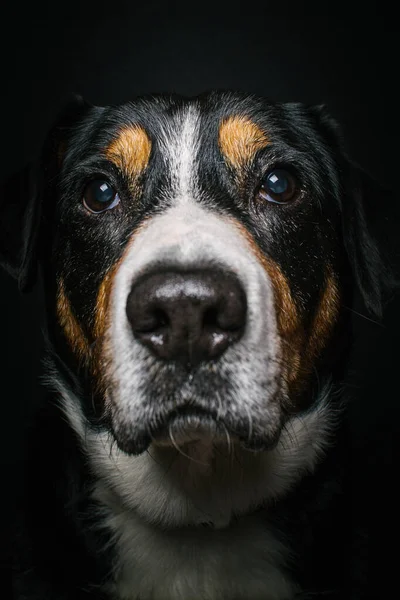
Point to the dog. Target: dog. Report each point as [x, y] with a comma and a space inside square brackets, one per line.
[197, 256]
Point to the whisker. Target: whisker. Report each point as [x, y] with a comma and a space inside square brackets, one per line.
[176, 446]
[219, 410]
[364, 316]
[153, 458]
[286, 443]
[228, 439]
[318, 379]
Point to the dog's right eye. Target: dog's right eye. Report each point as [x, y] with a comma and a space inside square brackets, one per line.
[100, 196]
[278, 186]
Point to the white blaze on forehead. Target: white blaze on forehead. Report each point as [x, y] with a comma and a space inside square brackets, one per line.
[179, 143]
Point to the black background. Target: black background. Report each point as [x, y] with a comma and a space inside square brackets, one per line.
[346, 59]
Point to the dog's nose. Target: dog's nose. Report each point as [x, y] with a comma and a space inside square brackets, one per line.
[187, 316]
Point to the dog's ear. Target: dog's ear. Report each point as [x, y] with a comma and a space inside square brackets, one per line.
[22, 196]
[368, 214]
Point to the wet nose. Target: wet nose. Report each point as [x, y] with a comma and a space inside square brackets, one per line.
[189, 317]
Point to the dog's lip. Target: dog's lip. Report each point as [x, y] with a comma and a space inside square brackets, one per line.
[189, 425]
[192, 423]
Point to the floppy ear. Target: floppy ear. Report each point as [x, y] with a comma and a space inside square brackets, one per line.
[21, 201]
[369, 238]
[19, 220]
[369, 212]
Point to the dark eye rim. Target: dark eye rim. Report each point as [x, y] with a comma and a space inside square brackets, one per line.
[103, 179]
[295, 179]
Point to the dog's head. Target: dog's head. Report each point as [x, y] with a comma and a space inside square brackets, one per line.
[197, 254]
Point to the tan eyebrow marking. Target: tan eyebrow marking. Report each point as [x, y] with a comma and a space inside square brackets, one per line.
[130, 150]
[239, 139]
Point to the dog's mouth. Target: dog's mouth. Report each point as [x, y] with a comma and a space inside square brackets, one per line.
[188, 425]
[191, 426]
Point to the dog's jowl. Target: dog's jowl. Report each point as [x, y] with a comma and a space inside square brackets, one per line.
[197, 256]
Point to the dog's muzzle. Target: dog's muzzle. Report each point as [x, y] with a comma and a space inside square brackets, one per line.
[192, 349]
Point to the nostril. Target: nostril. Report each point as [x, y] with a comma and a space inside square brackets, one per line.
[152, 321]
[219, 320]
[161, 318]
[210, 318]
[231, 312]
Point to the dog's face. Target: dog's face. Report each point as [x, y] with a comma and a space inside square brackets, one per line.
[197, 249]
[197, 261]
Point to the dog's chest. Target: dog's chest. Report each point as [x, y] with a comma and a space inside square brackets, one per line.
[243, 562]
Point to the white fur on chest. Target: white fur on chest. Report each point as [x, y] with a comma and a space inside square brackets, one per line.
[242, 562]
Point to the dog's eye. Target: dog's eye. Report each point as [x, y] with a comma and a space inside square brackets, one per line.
[278, 186]
[99, 196]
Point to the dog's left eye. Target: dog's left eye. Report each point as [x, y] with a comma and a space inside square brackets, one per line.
[278, 186]
[100, 196]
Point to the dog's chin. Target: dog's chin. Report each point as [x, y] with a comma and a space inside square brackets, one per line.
[195, 433]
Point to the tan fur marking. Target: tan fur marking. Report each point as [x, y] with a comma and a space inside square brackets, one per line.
[240, 139]
[289, 324]
[69, 323]
[130, 151]
[103, 300]
[326, 316]
[300, 348]
[100, 358]
[100, 326]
